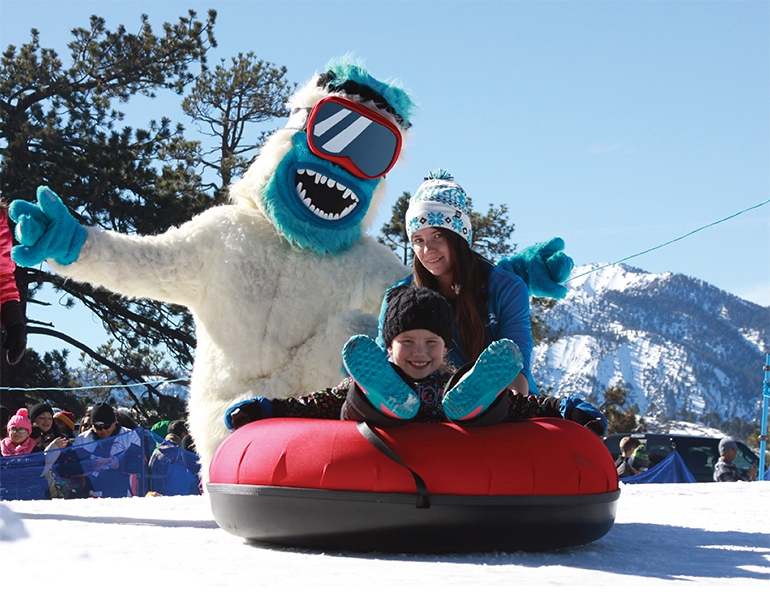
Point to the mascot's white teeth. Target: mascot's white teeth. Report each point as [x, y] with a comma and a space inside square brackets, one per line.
[324, 196]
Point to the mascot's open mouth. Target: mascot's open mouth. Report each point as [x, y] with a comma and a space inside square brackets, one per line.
[323, 196]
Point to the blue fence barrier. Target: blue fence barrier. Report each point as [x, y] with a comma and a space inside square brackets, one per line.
[129, 464]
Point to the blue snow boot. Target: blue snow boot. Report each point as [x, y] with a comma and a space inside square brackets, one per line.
[493, 371]
[368, 365]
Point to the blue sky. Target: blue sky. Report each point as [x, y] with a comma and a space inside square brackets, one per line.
[616, 125]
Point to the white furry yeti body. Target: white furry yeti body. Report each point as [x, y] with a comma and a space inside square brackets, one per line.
[270, 320]
[271, 316]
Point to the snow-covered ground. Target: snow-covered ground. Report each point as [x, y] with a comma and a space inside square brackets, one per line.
[683, 534]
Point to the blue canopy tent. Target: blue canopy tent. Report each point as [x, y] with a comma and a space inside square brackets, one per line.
[670, 470]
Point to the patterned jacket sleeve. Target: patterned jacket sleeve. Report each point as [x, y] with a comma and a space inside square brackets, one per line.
[321, 404]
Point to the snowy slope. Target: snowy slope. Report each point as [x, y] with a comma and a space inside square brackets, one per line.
[675, 343]
[684, 535]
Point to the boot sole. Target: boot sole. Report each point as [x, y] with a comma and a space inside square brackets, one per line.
[493, 371]
[370, 368]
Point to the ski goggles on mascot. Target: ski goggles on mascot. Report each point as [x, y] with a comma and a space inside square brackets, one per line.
[350, 135]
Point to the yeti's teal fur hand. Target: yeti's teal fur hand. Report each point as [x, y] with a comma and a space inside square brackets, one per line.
[45, 230]
[544, 268]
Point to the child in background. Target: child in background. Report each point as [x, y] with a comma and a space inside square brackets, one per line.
[416, 385]
[19, 441]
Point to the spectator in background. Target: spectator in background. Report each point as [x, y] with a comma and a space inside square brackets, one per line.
[628, 445]
[112, 464]
[19, 441]
[725, 469]
[65, 424]
[37, 436]
[85, 423]
[173, 471]
[188, 444]
[41, 416]
[177, 430]
[639, 461]
[125, 419]
[160, 428]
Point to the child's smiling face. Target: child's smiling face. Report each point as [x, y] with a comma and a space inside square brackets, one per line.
[418, 352]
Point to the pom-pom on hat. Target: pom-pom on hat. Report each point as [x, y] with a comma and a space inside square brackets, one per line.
[20, 420]
[440, 202]
[411, 307]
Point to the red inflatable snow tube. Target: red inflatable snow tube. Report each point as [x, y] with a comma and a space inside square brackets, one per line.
[540, 484]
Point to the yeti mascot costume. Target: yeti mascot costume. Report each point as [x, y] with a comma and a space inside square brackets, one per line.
[281, 278]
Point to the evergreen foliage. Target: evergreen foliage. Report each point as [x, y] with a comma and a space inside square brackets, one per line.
[393, 232]
[621, 421]
[59, 126]
[224, 101]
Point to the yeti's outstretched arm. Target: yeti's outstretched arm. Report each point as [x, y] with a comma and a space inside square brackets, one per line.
[164, 267]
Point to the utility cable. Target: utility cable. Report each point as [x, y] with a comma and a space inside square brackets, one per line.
[669, 242]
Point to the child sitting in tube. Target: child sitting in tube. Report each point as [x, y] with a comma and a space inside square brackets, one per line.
[411, 381]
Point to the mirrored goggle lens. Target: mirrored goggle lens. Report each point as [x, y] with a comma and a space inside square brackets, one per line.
[340, 133]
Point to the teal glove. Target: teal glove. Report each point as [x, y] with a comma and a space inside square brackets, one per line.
[45, 230]
[543, 267]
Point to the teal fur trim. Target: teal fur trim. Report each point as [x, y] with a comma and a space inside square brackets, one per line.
[348, 69]
[295, 222]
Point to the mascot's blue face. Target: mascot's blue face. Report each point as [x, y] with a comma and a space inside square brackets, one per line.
[320, 192]
[316, 204]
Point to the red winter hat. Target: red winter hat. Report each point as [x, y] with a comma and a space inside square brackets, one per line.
[20, 420]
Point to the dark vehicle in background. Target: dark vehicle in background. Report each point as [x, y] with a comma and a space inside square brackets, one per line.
[699, 453]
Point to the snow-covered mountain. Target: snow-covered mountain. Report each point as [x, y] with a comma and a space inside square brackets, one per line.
[674, 342]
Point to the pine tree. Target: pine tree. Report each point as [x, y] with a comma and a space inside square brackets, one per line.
[621, 421]
[394, 234]
[59, 127]
[224, 101]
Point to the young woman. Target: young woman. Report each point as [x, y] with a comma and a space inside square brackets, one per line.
[489, 303]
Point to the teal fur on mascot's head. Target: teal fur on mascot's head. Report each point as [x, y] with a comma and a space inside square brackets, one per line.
[320, 179]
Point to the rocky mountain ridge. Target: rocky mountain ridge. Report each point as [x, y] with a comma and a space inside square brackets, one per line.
[682, 348]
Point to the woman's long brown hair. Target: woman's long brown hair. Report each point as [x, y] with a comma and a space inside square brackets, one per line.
[471, 275]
